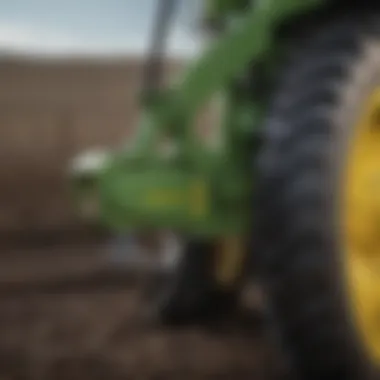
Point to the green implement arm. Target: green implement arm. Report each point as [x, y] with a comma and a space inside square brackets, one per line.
[194, 188]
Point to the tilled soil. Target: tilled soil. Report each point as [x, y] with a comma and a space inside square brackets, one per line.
[94, 331]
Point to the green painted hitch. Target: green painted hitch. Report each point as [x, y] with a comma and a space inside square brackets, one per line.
[194, 189]
[127, 193]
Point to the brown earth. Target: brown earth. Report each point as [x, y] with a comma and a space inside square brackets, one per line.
[50, 111]
[63, 315]
[90, 329]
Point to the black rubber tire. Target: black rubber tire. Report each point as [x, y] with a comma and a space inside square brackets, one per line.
[319, 92]
[190, 295]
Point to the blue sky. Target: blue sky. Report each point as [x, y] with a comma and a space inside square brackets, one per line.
[98, 27]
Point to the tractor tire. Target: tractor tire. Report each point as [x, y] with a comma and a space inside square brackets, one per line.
[189, 295]
[309, 137]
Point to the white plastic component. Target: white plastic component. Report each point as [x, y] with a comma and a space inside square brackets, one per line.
[89, 162]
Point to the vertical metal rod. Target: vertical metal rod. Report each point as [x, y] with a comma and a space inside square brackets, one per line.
[155, 62]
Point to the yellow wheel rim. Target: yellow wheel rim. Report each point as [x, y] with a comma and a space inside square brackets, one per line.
[362, 226]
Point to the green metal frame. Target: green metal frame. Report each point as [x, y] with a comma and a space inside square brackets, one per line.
[197, 189]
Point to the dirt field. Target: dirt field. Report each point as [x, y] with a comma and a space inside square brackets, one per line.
[62, 316]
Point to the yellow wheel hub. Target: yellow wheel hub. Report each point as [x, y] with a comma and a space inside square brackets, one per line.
[362, 226]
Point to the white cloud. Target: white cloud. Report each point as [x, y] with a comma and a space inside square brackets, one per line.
[23, 38]
[33, 41]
